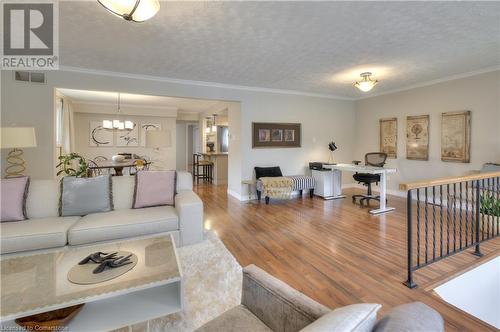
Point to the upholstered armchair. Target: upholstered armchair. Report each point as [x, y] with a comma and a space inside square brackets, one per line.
[268, 304]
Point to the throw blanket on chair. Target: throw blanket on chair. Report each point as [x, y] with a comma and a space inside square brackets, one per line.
[277, 187]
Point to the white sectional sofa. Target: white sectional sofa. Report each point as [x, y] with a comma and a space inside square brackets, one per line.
[45, 229]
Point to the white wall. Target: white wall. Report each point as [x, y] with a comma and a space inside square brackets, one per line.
[181, 146]
[166, 157]
[322, 119]
[479, 94]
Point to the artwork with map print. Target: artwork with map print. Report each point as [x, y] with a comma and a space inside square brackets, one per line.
[417, 137]
[389, 137]
[455, 136]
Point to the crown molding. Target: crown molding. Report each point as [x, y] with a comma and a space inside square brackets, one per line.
[428, 83]
[201, 83]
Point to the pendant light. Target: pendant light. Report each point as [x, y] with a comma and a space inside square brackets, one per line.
[214, 126]
[132, 10]
[367, 83]
[116, 123]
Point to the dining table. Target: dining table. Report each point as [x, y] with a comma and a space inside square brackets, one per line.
[118, 166]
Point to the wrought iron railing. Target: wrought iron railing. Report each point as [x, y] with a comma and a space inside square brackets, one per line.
[447, 216]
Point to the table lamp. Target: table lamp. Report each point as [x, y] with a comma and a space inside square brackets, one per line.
[16, 138]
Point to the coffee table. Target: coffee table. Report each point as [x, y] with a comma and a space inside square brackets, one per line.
[35, 283]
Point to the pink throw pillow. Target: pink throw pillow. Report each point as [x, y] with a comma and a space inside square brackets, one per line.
[154, 188]
[13, 201]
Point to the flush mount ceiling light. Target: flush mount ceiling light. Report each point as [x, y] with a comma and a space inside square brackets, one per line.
[132, 10]
[366, 84]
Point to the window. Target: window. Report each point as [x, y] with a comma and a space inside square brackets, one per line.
[59, 121]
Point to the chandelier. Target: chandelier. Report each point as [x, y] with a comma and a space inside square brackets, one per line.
[117, 124]
[367, 83]
[132, 10]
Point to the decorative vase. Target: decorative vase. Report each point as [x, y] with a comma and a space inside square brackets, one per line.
[117, 158]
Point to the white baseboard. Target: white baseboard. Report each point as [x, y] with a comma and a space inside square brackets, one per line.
[393, 192]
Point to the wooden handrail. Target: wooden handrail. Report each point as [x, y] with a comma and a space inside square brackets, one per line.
[447, 180]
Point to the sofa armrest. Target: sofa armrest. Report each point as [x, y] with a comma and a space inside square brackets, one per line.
[276, 304]
[411, 317]
[190, 211]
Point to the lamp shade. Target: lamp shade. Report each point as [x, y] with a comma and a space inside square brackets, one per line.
[132, 10]
[18, 137]
[158, 139]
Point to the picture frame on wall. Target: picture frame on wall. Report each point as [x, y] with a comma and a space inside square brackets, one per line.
[417, 137]
[456, 136]
[389, 137]
[147, 127]
[128, 137]
[276, 135]
[99, 136]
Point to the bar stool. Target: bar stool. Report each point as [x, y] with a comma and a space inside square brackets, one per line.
[206, 174]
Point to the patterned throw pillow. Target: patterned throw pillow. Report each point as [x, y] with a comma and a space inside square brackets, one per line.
[154, 188]
[13, 200]
[81, 196]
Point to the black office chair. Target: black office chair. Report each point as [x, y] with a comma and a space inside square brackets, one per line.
[376, 159]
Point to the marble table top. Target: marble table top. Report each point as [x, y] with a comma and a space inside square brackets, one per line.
[37, 282]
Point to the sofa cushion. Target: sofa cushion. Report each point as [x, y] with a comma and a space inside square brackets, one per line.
[411, 317]
[123, 192]
[13, 198]
[81, 196]
[238, 319]
[121, 224]
[43, 199]
[154, 188]
[35, 234]
[354, 318]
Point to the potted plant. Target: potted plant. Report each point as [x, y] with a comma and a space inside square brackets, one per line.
[489, 206]
[72, 165]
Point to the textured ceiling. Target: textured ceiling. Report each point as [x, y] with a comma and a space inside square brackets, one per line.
[103, 97]
[318, 47]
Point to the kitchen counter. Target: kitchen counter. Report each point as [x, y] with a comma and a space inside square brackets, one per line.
[220, 166]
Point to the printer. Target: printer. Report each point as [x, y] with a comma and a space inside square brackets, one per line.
[319, 166]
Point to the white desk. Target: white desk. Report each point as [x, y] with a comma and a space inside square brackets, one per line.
[372, 170]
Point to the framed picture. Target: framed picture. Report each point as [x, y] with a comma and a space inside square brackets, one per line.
[455, 136]
[264, 135]
[145, 127]
[417, 137]
[276, 135]
[99, 136]
[389, 137]
[289, 135]
[128, 137]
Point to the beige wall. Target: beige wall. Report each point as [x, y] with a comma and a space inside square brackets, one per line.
[167, 157]
[479, 94]
[322, 118]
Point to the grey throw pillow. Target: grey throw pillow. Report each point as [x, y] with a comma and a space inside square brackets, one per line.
[81, 196]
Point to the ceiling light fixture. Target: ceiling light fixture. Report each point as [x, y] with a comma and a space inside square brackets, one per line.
[132, 10]
[117, 124]
[367, 83]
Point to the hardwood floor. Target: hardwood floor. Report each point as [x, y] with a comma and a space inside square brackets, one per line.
[335, 251]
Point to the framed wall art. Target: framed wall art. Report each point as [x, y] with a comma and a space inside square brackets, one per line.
[99, 136]
[455, 136]
[389, 137]
[276, 135]
[128, 137]
[146, 127]
[417, 137]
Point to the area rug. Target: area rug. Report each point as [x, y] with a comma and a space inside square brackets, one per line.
[212, 285]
